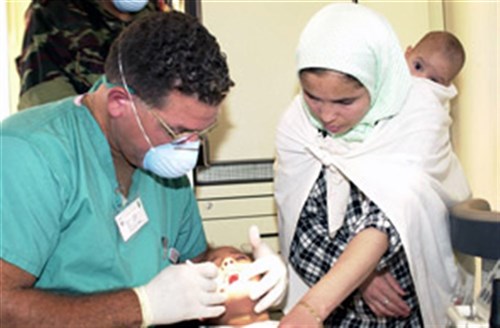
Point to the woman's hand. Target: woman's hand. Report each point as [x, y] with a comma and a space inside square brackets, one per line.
[383, 295]
[300, 317]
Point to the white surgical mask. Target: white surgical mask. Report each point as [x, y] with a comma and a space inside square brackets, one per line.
[130, 6]
[172, 160]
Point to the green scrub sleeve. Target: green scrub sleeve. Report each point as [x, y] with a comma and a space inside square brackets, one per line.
[31, 205]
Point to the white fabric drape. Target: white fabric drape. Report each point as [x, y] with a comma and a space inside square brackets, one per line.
[405, 165]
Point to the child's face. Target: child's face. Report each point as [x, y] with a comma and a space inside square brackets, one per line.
[427, 62]
[218, 255]
[231, 263]
[239, 308]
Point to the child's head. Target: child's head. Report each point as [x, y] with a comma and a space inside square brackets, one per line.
[438, 56]
[239, 308]
[217, 255]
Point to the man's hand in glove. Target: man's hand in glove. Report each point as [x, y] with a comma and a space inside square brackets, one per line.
[272, 285]
[181, 292]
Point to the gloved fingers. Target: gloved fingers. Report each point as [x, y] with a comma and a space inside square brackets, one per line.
[254, 269]
[254, 236]
[205, 284]
[206, 269]
[265, 265]
[273, 297]
[213, 298]
[266, 283]
[210, 312]
[262, 265]
[259, 248]
[202, 275]
[273, 281]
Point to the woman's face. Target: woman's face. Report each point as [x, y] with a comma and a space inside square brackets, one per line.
[336, 100]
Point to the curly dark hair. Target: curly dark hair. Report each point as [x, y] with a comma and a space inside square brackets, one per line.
[162, 52]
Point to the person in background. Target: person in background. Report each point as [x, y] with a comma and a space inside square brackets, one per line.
[66, 42]
[365, 173]
[98, 215]
[438, 56]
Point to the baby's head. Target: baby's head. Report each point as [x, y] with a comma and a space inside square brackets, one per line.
[438, 56]
[231, 280]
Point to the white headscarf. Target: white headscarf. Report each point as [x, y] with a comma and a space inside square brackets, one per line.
[354, 40]
[404, 164]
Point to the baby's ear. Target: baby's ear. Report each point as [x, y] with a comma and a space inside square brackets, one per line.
[408, 51]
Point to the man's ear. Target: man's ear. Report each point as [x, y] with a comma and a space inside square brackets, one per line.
[118, 101]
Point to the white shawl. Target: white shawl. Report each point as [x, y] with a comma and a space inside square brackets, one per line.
[406, 166]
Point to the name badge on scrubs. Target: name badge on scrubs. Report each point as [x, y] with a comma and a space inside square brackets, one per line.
[171, 253]
[131, 219]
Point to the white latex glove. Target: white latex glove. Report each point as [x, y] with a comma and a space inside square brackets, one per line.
[181, 292]
[267, 262]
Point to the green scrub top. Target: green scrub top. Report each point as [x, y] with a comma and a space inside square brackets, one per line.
[60, 198]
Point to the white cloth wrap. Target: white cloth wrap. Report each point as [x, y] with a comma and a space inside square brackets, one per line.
[405, 165]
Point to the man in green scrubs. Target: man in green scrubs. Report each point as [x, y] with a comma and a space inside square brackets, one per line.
[98, 217]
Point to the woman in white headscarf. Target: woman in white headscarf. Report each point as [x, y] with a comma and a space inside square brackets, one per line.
[364, 176]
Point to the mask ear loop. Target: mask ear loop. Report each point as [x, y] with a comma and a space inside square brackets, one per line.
[134, 109]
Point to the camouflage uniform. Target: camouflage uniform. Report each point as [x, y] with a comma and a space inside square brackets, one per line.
[64, 48]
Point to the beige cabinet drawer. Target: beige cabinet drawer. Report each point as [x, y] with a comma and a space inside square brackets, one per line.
[236, 207]
[234, 232]
[234, 190]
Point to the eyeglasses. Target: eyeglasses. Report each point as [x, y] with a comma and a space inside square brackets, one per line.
[182, 137]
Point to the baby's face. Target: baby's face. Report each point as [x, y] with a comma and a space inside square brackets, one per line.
[429, 63]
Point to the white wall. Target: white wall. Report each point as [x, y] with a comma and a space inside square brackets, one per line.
[410, 19]
[476, 131]
[259, 39]
[10, 49]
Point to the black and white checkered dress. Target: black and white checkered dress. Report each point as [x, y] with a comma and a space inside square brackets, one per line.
[313, 253]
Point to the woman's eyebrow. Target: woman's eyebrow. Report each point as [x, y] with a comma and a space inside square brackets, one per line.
[310, 95]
